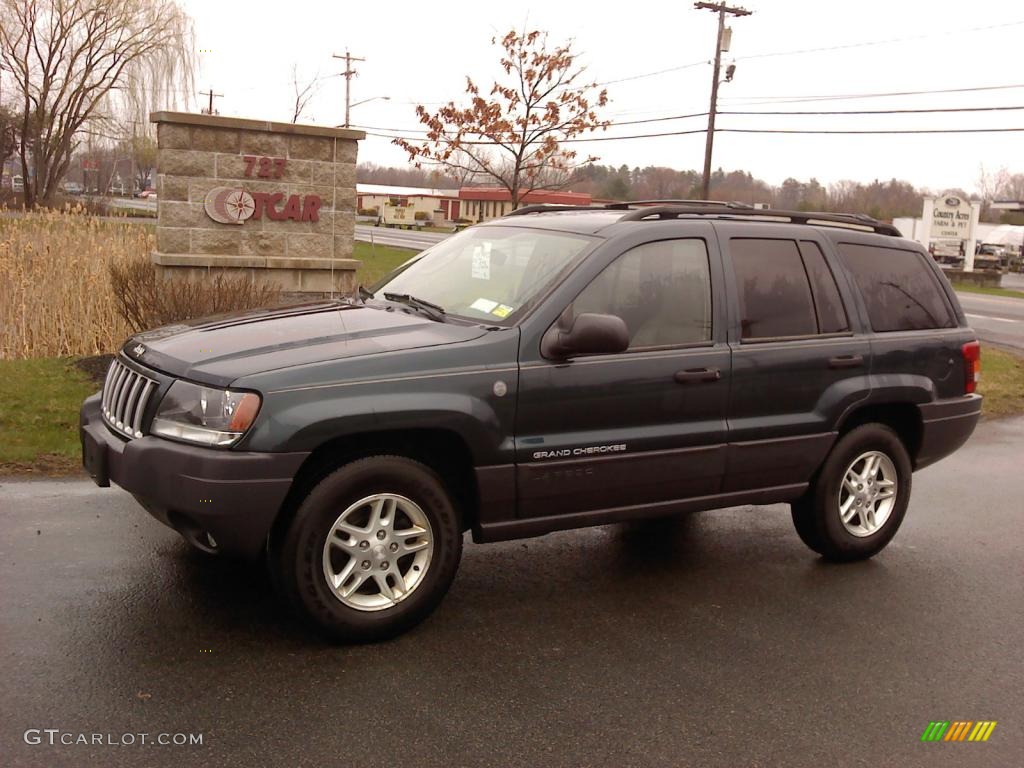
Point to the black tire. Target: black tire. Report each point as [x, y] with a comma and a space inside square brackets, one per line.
[816, 515]
[803, 520]
[299, 555]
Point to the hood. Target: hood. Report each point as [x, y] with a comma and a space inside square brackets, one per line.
[220, 349]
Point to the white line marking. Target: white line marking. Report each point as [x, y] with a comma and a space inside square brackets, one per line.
[987, 317]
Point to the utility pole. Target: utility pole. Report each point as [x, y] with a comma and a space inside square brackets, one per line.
[721, 9]
[347, 74]
[212, 95]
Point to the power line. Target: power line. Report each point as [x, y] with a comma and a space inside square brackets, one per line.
[405, 132]
[863, 111]
[801, 131]
[802, 51]
[614, 123]
[869, 43]
[879, 131]
[755, 100]
[654, 74]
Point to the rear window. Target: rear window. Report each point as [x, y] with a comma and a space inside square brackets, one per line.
[899, 289]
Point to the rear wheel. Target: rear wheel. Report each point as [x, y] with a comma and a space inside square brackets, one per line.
[856, 504]
[372, 549]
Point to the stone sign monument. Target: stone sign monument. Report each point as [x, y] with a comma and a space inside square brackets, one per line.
[273, 200]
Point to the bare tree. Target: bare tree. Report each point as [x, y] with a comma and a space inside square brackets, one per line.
[515, 134]
[66, 57]
[8, 137]
[304, 94]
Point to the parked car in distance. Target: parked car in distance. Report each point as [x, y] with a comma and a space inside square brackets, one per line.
[991, 257]
[73, 188]
[17, 184]
[148, 193]
[553, 369]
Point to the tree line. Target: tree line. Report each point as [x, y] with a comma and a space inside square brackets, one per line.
[884, 200]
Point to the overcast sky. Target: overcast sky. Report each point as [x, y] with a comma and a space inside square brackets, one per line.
[420, 53]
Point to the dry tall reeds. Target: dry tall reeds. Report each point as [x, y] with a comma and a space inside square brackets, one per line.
[55, 295]
[71, 284]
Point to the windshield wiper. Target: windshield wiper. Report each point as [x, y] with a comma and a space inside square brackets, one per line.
[433, 311]
[364, 293]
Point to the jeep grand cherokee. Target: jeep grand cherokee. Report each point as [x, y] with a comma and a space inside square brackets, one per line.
[553, 369]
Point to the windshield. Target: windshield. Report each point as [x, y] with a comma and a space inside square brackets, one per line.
[487, 274]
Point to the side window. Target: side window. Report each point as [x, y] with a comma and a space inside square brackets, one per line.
[829, 307]
[662, 291]
[774, 295]
[899, 289]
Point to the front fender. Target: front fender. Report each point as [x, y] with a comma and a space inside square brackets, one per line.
[295, 420]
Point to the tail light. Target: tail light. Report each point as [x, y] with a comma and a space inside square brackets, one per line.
[972, 366]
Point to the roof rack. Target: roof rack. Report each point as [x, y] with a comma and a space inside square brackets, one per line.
[626, 205]
[621, 205]
[550, 208]
[639, 210]
[854, 221]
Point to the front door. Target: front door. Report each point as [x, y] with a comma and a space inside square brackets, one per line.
[601, 434]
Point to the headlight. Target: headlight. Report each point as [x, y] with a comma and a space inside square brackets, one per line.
[205, 415]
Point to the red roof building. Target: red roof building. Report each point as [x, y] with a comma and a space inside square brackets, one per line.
[482, 203]
[444, 206]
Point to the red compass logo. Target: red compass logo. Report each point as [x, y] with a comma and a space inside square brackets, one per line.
[229, 205]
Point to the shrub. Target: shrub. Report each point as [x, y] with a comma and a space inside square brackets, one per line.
[145, 300]
[368, 212]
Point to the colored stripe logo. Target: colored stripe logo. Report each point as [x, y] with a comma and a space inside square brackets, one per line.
[958, 730]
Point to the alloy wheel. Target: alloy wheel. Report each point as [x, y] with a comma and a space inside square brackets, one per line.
[867, 495]
[378, 552]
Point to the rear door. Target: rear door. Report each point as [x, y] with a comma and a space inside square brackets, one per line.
[600, 434]
[800, 357]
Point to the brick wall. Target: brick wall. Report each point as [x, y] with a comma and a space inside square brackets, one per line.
[198, 152]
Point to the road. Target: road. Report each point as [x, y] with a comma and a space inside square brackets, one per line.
[715, 640]
[998, 319]
[398, 238]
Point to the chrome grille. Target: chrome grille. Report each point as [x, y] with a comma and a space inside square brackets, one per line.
[125, 394]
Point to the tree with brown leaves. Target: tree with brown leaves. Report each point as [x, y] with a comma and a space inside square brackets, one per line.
[515, 133]
[66, 56]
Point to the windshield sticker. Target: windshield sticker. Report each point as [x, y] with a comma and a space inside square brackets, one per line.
[482, 262]
[502, 310]
[486, 306]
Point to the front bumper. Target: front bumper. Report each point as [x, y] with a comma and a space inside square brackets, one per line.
[233, 496]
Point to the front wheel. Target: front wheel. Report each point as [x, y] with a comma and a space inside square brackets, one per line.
[372, 549]
[859, 498]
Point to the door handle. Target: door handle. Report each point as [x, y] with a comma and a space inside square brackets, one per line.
[697, 375]
[846, 361]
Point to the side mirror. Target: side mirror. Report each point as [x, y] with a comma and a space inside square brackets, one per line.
[590, 334]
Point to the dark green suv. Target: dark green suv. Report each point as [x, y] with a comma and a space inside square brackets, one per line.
[553, 369]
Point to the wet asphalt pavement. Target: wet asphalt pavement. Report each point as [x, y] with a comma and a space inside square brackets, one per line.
[714, 640]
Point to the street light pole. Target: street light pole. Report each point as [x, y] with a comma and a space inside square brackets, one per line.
[721, 9]
[364, 101]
